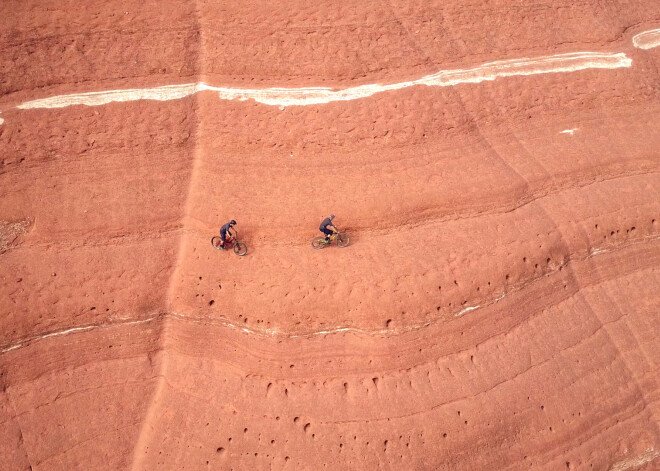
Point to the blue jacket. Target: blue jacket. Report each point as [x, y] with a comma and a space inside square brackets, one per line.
[225, 228]
[326, 222]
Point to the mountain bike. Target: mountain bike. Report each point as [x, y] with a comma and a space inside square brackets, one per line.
[240, 248]
[321, 242]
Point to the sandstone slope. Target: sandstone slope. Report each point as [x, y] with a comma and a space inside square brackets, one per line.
[497, 307]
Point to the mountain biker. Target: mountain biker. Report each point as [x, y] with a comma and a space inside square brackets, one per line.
[327, 222]
[226, 229]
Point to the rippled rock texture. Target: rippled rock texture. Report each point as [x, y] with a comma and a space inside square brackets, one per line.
[496, 165]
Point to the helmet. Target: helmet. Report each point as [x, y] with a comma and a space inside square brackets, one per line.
[232, 222]
[332, 216]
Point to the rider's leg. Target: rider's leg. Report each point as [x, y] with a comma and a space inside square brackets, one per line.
[328, 233]
[223, 236]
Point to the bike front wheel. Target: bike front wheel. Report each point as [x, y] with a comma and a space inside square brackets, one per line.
[319, 242]
[216, 242]
[342, 240]
[240, 248]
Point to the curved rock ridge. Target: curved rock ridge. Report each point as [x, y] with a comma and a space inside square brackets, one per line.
[274, 332]
[497, 307]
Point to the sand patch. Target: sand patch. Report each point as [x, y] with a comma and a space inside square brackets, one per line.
[10, 231]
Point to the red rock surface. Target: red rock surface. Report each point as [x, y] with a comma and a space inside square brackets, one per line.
[497, 307]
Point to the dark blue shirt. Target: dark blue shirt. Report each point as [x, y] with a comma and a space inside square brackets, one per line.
[225, 228]
[326, 222]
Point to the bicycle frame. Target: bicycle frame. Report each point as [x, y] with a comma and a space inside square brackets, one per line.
[340, 238]
[230, 242]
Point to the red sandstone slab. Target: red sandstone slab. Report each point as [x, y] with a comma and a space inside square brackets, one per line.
[511, 225]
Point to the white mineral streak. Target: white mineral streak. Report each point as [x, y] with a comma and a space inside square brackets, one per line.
[467, 309]
[72, 330]
[569, 131]
[168, 92]
[647, 39]
[13, 347]
[284, 97]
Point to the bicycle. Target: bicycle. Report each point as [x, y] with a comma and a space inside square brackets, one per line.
[240, 248]
[340, 239]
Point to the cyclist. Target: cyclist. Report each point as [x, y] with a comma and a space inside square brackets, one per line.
[226, 229]
[325, 225]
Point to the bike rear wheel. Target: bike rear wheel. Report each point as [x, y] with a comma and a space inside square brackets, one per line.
[216, 242]
[319, 242]
[342, 240]
[240, 248]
